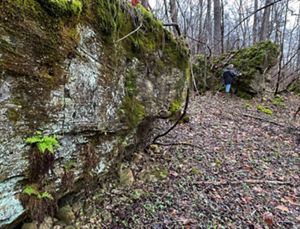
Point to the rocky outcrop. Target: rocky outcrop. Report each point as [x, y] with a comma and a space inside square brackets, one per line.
[67, 70]
[253, 62]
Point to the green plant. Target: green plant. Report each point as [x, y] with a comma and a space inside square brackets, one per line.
[278, 101]
[43, 142]
[41, 157]
[38, 203]
[265, 110]
[247, 105]
[32, 191]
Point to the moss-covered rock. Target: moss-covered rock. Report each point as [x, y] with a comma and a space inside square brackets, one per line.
[253, 62]
[295, 87]
[68, 68]
[63, 7]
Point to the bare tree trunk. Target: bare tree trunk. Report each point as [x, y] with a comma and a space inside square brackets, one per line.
[208, 25]
[200, 32]
[166, 10]
[277, 24]
[281, 50]
[174, 13]
[255, 22]
[265, 24]
[222, 26]
[145, 3]
[298, 53]
[217, 27]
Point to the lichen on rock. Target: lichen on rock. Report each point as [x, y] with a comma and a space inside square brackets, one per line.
[64, 72]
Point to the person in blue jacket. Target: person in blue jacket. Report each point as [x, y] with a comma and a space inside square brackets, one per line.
[229, 75]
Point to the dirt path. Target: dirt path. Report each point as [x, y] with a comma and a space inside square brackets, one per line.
[242, 172]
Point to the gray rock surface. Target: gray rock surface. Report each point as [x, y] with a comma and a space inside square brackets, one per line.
[62, 77]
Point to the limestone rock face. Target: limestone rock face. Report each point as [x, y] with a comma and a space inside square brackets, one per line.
[67, 72]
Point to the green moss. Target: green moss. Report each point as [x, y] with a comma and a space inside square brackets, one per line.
[63, 7]
[278, 101]
[175, 106]
[108, 13]
[115, 22]
[160, 173]
[188, 73]
[13, 115]
[251, 62]
[265, 110]
[133, 112]
[295, 87]
[244, 94]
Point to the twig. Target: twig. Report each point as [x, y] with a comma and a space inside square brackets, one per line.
[174, 25]
[295, 115]
[218, 183]
[175, 124]
[251, 14]
[178, 144]
[265, 120]
[129, 34]
[289, 129]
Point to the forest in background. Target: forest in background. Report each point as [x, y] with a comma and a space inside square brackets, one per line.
[214, 27]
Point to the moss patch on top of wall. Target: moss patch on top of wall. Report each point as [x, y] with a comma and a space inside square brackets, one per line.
[63, 7]
[117, 19]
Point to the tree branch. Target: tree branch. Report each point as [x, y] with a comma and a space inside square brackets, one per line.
[175, 124]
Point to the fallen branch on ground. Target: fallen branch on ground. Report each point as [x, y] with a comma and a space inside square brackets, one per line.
[288, 128]
[265, 120]
[217, 183]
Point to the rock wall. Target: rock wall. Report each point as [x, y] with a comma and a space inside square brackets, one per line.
[66, 70]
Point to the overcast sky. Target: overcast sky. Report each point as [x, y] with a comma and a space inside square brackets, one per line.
[293, 5]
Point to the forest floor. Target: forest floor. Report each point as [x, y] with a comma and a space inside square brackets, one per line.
[230, 166]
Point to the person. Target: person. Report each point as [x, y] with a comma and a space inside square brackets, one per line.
[229, 75]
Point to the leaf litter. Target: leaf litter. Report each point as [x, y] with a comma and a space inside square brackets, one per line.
[242, 172]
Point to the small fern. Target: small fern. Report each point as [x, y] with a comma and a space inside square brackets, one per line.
[32, 191]
[45, 195]
[44, 142]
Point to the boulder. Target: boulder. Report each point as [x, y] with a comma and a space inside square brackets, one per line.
[254, 63]
[69, 71]
[66, 214]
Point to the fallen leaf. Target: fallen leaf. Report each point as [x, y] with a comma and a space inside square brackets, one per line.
[268, 218]
[174, 174]
[246, 199]
[258, 189]
[248, 168]
[282, 208]
[292, 200]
